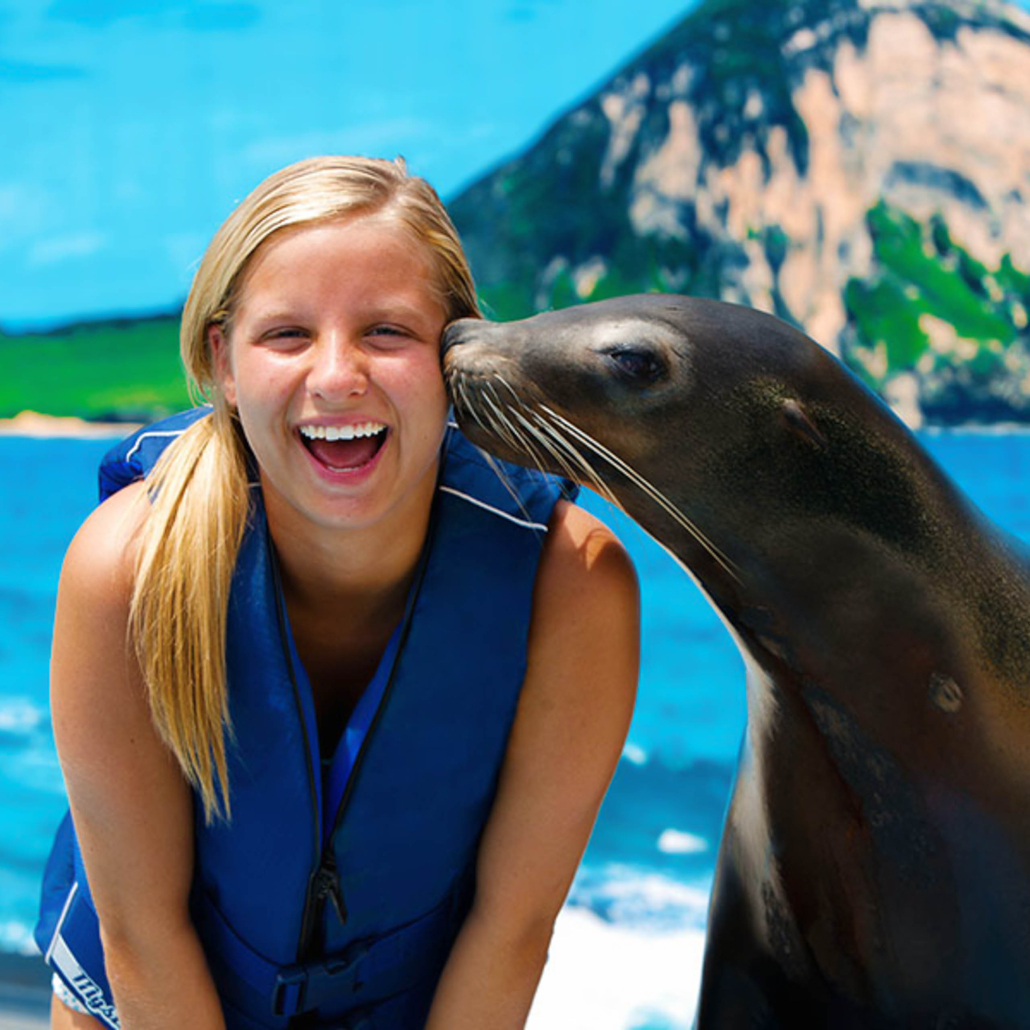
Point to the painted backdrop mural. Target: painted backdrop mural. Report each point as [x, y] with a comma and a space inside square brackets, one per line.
[861, 167]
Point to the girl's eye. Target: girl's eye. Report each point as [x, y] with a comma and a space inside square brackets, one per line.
[286, 333]
[389, 333]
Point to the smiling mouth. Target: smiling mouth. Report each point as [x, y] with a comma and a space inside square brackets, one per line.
[344, 448]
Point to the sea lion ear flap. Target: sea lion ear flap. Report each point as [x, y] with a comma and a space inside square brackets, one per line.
[798, 421]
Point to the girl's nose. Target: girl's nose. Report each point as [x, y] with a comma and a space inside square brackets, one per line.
[340, 370]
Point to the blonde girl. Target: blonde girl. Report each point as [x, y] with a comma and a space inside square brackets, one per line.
[335, 706]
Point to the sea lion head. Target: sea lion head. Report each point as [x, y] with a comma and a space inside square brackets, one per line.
[678, 406]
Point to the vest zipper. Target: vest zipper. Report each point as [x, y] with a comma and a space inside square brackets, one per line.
[324, 882]
[323, 886]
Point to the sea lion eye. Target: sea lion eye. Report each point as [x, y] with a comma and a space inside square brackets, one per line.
[637, 364]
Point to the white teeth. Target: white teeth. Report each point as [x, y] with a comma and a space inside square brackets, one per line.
[342, 432]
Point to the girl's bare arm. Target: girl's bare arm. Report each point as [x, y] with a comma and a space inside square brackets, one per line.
[572, 720]
[131, 806]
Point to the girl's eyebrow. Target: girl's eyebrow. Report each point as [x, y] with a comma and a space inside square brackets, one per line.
[275, 316]
[400, 311]
[277, 313]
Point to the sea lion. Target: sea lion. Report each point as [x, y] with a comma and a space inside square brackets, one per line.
[874, 869]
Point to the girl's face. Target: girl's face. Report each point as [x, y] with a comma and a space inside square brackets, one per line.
[333, 365]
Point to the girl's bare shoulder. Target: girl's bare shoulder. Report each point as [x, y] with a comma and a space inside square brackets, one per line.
[582, 551]
[101, 559]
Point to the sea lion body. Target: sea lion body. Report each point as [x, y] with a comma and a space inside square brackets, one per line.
[874, 869]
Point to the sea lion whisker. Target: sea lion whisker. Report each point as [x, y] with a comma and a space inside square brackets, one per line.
[587, 471]
[524, 443]
[502, 424]
[492, 422]
[467, 401]
[648, 488]
[511, 389]
[593, 478]
[455, 383]
[456, 386]
[512, 407]
[565, 451]
[518, 400]
[569, 461]
[535, 433]
[503, 414]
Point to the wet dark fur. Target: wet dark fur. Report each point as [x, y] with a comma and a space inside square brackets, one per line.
[874, 869]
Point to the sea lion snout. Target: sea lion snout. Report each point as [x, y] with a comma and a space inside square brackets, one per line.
[475, 352]
[479, 334]
[458, 333]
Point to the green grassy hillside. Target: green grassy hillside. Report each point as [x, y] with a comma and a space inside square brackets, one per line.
[125, 370]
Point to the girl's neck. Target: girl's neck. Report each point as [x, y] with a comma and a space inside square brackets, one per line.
[345, 592]
[366, 568]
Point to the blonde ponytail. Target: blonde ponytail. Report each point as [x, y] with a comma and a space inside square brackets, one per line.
[188, 545]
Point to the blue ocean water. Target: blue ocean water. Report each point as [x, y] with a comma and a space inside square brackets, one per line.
[51, 487]
[650, 861]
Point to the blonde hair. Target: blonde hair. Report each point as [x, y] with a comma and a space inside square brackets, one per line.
[197, 492]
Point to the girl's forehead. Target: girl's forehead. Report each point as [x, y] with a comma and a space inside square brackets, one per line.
[352, 239]
[365, 263]
[385, 222]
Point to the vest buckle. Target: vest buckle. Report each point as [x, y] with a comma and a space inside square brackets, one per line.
[289, 991]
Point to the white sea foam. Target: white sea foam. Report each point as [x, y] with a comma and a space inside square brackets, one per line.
[19, 715]
[645, 902]
[679, 842]
[603, 976]
[17, 937]
[634, 753]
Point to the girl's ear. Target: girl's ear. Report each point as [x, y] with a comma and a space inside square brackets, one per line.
[221, 363]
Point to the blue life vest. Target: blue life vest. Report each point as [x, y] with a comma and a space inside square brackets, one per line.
[340, 897]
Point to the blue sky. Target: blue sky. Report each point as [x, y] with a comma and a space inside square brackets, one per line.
[131, 127]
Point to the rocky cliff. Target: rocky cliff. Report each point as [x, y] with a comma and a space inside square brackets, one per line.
[858, 167]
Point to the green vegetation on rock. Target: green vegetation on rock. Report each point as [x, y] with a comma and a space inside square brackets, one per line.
[930, 308]
[1014, 282]
[919, 270]
[122, 370]
[886, 317]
